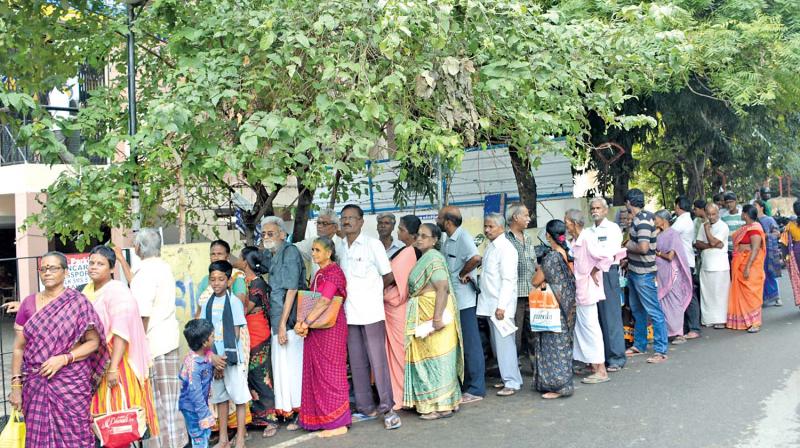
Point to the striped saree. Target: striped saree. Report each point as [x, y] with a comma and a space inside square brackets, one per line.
[434, 364]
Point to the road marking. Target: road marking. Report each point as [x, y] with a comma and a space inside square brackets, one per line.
[297, 440]
[780, 426]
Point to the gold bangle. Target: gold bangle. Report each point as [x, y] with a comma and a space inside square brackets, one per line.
[16, 386]
[112, 371]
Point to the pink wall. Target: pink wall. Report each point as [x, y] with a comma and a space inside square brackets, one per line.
[31, 243]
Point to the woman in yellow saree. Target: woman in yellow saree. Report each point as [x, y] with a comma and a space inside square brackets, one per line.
[434, 361]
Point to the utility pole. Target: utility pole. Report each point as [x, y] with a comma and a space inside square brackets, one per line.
[135, 206]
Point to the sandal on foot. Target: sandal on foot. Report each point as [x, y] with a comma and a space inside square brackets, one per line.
[658, 358]
[692, 335]
[293, 424]
[719, 326]
[595, 379]
[633, 351]
[679, 340]
[754, 329]
[551, 395]
[613, 368]
[391, 420]
[436, 415]
[362, 417]
[506, 392]
[270, 431]
[499, 385]
[468, 398]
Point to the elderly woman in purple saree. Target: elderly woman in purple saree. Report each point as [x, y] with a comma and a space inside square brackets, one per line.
[674, 277]
[58, 361]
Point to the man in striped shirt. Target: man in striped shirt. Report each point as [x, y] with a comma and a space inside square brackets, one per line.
[643, 294]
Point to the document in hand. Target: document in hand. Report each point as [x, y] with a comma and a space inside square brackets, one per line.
[505, 326]
[426, 328]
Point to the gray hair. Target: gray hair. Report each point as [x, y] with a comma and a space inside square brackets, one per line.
[576, 216]
[711, 206]
[276, 221]
[62, 259]
[497, 218]
[664, 214]
[148, 240]
[513, 212]
[328, 213]
[599, 199]
[388, 215]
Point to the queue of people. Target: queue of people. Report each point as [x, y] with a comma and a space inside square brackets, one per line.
[402, 315]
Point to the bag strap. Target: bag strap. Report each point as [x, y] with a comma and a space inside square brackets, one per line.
[123, 398]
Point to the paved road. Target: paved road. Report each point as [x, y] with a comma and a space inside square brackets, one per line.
[728, 389]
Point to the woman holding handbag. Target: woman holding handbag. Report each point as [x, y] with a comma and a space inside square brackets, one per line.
[126, 382]
[552, 370]
[325, 402]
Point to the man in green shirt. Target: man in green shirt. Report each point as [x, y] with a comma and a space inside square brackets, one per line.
[732, 216]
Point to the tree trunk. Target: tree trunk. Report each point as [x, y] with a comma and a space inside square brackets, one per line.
[695, 185]
[526, 182]
[304, 201]
[263, 207]
[680, 187]
[621, 175]
[334, 190]
[181, 208]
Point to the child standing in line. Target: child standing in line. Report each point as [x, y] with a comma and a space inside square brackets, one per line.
[226, 313]
[196, 375]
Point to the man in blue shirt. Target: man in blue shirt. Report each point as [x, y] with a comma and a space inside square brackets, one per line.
[462, 260]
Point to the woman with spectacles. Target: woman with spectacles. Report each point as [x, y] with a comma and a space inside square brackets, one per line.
[58, 361]
[434, 358]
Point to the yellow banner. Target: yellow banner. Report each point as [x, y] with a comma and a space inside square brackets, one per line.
[189, 263]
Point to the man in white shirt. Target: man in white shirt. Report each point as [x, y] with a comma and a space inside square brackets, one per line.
[327, 226]
[685, 227]
[368, 272]
[386, 223]
[153, 287]
[498, 300]
[715, 279]
[609, 238]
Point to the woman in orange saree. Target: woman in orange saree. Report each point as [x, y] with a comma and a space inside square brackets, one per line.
[395, 299]
[747, 274]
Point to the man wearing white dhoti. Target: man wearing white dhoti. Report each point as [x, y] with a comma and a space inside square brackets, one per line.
[715, 278]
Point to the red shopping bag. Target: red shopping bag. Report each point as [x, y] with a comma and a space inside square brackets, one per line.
[118, 429]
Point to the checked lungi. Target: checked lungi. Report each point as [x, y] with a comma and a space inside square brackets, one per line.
[167, 390]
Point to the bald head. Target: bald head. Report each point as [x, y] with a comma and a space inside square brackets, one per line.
[712, 212]
[449, 219]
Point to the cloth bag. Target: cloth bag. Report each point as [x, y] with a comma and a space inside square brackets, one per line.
[118, 429]
[13, 435]
[306, 300]
[545, 313]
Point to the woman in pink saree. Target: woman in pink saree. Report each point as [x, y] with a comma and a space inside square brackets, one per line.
[395, 299]
[58, 361]
[674, 277]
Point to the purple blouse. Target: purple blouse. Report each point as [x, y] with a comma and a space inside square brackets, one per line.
[26, 310]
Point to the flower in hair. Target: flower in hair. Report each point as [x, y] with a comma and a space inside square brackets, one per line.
[562, 238]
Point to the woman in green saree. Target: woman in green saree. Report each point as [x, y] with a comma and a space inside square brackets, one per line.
[434, 361]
